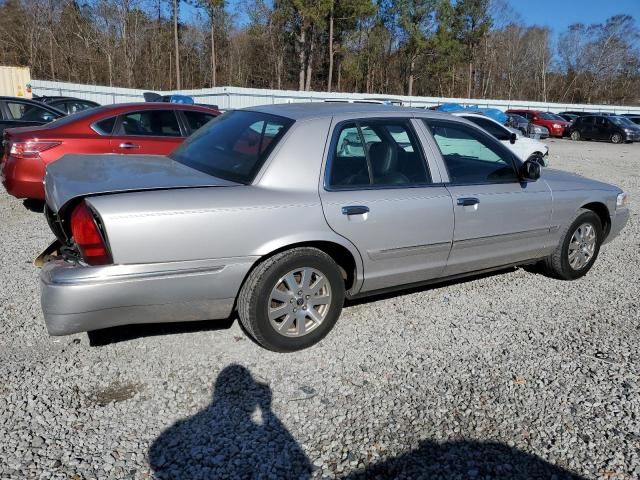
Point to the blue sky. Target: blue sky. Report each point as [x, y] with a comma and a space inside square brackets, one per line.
[559, 14]
[556, 14]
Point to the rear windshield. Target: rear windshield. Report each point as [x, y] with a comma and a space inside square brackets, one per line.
[79, 115]
[233, 146]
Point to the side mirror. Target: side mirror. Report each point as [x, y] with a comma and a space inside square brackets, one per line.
[513, 138]
[530, 170]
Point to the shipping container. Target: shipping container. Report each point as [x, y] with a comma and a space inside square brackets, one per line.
[15, 81]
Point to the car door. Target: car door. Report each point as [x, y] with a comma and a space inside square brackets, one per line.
[149, 131]
[599, 129]
[18, 113]
[380, 193]
[499, 220]
[586, 127]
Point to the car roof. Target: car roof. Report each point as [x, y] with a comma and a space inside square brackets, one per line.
[308, 110]
[461, 113]
[22, 99]
[32, 102]
[126, 107]
[66, 99]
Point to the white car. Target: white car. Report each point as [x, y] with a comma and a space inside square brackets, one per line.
[525, 148]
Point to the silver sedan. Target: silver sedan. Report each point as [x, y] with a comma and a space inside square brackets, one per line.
[279, 213]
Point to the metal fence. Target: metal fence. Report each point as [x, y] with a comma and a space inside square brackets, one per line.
[237, 97]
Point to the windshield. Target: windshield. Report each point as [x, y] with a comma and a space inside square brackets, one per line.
[622, 121]
[234, 145]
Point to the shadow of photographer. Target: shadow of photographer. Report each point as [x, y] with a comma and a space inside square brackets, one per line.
[238, 437]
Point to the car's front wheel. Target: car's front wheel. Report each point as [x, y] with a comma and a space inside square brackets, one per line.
[579, 248]
[616, 138]
[292, 300]
[538, 158]
[575, 135]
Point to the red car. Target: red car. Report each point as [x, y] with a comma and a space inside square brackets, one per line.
[150, 128]
[557, 126]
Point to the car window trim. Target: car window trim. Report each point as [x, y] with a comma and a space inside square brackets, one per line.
[515, 162]
[118, 132]
[356, 121]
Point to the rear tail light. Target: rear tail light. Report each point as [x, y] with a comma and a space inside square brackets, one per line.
[87, 235]
[30, 148]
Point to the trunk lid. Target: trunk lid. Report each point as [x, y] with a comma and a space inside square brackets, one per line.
[74, 176]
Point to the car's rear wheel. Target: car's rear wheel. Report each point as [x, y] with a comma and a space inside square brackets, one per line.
[616, 138]
[292, 300]
[579, 248]
[575, 135]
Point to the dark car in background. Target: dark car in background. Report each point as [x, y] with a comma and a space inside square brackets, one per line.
[519, 123]
[133, 128]
[21, 112]
[577, 113]
[635, 118]
[569, 117]
[68, 105]
[615, 129]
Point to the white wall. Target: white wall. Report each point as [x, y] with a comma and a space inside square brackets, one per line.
[236, 97]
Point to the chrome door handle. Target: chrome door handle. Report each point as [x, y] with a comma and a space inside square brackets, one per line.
[129, 145]
[468, 201]
[355, 210]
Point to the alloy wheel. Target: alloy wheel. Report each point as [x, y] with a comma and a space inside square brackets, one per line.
[582, 246]
[299, 302]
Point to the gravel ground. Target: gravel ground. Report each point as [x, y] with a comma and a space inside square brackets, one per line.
[512, 375]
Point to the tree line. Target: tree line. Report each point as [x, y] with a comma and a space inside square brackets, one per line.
[464, 49]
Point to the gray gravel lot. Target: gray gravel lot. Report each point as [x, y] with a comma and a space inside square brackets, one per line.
[506, 376]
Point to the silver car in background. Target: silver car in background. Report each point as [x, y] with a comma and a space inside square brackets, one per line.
[279, 212]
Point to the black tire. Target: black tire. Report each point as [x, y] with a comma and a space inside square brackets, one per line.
[557, 264]
[616, 138]
[575, 135]
[537, 157]
[254, 298]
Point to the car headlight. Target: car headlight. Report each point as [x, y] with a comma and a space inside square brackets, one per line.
[556, 125]
[622, 200]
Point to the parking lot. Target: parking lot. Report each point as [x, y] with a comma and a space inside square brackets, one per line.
[509, 375]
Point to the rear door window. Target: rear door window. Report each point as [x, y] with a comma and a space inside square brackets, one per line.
[155, 123]
[197, 120]
[376, 153]
[233, 146]
[105, 127]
